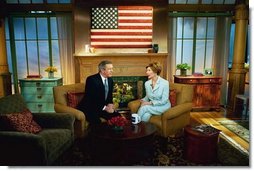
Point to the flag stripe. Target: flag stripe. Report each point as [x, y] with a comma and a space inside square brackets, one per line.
[133, 28]
[134, 21]
[126, 30]
[135, 24]
[120, 36]
[122, 46]
[135, 8]
[134, 18]
[135, 14]
[121, 40]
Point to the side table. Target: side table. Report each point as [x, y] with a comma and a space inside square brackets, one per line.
[200, 147]
[241, 105]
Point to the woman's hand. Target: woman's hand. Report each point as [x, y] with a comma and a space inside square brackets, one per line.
[143, 103]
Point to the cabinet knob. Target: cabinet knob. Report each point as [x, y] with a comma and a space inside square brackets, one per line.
[190, 80]
[38, 89]
[38, 84]
[39, 105]
[39, 97]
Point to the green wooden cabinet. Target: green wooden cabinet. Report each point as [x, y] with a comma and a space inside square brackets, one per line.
[38, 93]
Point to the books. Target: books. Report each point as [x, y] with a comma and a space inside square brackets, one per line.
[34, 76]
[206, 129]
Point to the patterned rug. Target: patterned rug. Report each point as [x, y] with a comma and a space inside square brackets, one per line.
[239, 127]
[168, 152]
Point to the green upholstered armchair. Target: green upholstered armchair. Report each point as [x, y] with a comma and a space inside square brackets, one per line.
[175, 118]
[43, 148]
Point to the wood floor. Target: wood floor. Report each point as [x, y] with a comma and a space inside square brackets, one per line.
[212, 117]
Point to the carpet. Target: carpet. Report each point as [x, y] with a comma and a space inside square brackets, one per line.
[231, 154]
[168, 152]
[239, 127]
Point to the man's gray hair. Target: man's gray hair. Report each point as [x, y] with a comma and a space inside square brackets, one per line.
[102, 64]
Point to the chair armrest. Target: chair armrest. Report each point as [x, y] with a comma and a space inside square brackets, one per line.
[177, 110]
[20, 137]
[79, 115]
[19, 148]
[54, 120]
[134, 106]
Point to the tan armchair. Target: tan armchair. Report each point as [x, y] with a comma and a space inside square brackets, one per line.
[80, 124]
[173, 120]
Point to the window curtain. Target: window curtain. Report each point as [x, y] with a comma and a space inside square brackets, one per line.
[64, 26]
[172, 47]
[220, 53]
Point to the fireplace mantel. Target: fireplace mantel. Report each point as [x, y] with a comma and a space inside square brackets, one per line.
[125, 64]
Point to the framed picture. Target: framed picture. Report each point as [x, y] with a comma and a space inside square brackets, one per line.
[208, 71]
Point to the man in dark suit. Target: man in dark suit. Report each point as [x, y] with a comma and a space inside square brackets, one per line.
[98, 98]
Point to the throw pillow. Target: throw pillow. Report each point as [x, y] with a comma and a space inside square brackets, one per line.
[172, 97]
[22, 122]
[73, 98]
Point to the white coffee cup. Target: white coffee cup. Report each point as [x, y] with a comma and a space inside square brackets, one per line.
[135, 118]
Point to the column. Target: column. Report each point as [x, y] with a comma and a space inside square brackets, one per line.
[5, 75]
[237, 74]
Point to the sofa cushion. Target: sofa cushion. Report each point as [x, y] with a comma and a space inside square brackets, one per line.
[172, 97]
[57, 141]
[73, 98]
[12, 104]
[21, 121]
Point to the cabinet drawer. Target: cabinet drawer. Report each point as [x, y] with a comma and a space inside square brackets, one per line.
[38, 98]
[37, 90]
[41, 107]
[38, 83]
[210, 80]
[199, 81]
[187, 81]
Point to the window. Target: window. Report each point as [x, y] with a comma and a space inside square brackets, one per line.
[195, 42]
[231, 48]
[34, 40]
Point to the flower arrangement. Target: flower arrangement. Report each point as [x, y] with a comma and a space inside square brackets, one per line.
[247, 66]
[118, 121]
[51, 69]
[122, 93]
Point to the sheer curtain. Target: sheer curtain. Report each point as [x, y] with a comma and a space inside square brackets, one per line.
[220, 52]
[64, 26]
[172, 47]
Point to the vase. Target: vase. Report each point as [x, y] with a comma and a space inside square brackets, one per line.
[183, 72]
[123, 104]
[155, 48]
[50, 75]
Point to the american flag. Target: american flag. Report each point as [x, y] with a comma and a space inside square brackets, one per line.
[122, 27]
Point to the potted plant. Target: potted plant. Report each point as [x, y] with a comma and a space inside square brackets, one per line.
[183, 68]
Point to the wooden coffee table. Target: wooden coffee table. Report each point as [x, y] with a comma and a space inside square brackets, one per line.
[128, 147]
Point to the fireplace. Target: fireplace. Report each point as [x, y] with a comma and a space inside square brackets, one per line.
[136, 82]
[128, 67]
